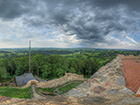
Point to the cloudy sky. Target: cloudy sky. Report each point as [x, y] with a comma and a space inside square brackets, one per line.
[70, 23]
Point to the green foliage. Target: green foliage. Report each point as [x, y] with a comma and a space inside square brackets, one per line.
[62, 89]
[50, 90]
[3, 73]
[14, 62]
[67, 88]
[46, 71]
[21, 65]
[16, 93]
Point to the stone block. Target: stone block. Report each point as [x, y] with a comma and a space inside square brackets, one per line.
[85, 85]
[103, 79]
[113, 91]
[111, 83]
[110, 74]
[121, 81]
[76, 93]
[99, 89]
[96, 75]
[96, 100]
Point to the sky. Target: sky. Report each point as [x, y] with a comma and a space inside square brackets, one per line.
[113, 24]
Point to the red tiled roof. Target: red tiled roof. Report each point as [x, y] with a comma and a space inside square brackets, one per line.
[132, 74]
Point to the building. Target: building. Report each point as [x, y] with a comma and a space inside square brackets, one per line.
[23, 79]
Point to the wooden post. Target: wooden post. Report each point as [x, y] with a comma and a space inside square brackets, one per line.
[29, 56]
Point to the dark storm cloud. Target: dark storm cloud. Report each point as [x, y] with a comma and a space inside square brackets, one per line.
[10, 9]
[90, 20]
[132, 4]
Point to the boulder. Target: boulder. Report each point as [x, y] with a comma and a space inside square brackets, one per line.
[127, 91]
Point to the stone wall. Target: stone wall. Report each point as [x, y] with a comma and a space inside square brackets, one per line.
[107, 83]
[60, 81]
[29, 83]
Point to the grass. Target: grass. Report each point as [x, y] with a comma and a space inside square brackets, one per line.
[67, 88]
[16, 93]
[50, 90]
[62, 89]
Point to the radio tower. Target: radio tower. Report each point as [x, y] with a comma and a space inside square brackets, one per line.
[29, 56]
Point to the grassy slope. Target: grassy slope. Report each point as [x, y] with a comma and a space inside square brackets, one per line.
[16, 93]
[67, 88]
[62, 89]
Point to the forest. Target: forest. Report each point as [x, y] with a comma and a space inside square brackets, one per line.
[53, 63]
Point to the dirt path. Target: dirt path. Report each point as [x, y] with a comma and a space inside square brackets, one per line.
[35, 95]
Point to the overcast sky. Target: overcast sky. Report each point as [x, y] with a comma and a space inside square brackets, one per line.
[70, 23]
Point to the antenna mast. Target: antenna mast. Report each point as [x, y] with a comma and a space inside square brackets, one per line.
[29, 56]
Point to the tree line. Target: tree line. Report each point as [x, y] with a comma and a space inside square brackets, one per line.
[46, 66]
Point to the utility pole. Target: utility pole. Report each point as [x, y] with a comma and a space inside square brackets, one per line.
[29, 56]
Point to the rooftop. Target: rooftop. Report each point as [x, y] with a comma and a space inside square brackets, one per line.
[131, 69]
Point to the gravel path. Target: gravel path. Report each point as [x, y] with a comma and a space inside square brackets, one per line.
[35, 95]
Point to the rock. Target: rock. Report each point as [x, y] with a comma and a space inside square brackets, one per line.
[84, 85]
[127, 91]
[110, 83]
[119, 73]
[113, 91]
[93, 100]
[96, 75]
[121, 81]
[103, 79]
[119, 69]
[99, 89]
[120, 65]
[127, 101]
[112, 69]
[110, 74]
[93, 81]
[76, 93]
[109, 66]
[104, 72]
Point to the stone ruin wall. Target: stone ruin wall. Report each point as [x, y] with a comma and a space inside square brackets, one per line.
[108, 82]
[60, 81]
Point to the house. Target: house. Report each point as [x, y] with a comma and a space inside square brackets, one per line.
[23, 79]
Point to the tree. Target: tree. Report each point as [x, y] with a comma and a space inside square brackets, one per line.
[46, 70]
[37, 59]
[21, 64]
[3, 72]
